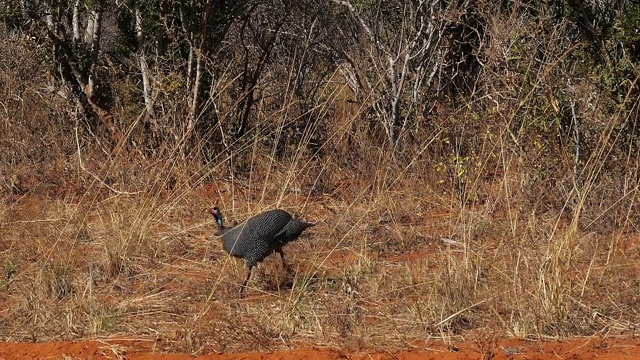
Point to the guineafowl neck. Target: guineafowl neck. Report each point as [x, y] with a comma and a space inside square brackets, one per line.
[222, 229]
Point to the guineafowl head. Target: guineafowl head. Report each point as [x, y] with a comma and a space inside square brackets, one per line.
[217, 214]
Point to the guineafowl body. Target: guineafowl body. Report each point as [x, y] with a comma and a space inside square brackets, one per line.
[259, 236]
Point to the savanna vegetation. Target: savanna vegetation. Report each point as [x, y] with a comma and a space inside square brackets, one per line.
[474, 166]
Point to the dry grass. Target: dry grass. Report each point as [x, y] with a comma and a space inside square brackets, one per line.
[436, 242]
[376, 271]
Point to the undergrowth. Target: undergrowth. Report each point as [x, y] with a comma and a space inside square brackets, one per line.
[489, 216]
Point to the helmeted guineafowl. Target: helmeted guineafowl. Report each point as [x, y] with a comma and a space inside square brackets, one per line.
[260, 236]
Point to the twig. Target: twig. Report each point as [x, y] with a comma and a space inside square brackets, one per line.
[93, 175]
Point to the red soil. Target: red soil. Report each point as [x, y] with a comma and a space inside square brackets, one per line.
[587, 348]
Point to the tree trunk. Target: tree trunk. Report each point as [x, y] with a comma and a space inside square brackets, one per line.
[189, 33]
[72, 73]
[144, 69]
[200, 59]
[96, 30]
[75, 21]
[92, 26]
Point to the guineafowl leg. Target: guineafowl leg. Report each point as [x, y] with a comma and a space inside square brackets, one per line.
[284, 263]
[244, 284]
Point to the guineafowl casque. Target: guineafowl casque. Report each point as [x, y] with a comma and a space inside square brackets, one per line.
[260, 236]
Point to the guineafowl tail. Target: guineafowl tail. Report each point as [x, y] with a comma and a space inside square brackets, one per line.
[291, 231]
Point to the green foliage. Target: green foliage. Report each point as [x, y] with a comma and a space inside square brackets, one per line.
[127, 42]
[626, 31]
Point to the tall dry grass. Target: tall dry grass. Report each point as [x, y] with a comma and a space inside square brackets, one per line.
[485, 225]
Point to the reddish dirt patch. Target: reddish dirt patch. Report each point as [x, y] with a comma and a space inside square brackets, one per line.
[587, 348]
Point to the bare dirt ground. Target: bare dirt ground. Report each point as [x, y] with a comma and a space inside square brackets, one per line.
[588, 348]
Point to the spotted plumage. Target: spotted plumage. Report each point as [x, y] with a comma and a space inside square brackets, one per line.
[259, 236]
